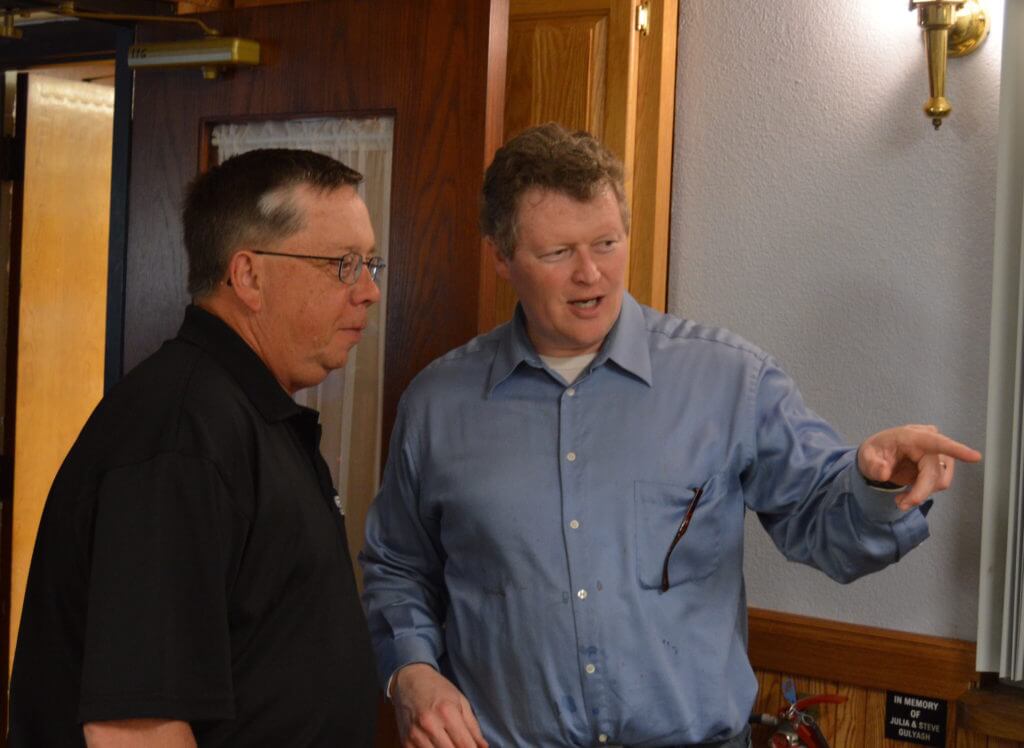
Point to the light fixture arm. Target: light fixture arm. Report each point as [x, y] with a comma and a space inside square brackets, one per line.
[951, 28]
[67, 8]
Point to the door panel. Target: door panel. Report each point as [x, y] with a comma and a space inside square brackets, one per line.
[584, 63]
[67, 130]
[436, 66]
[429, 64]
[556, 72]
[572, 62]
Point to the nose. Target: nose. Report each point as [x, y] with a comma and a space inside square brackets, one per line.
[586, 270]
[365, 291]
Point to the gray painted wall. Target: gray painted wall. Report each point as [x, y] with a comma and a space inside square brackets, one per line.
[817, 213]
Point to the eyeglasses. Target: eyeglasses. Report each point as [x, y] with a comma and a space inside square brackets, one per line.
[683, 527]
[350, 265]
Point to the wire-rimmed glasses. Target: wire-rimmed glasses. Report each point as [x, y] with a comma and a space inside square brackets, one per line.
[350, 266]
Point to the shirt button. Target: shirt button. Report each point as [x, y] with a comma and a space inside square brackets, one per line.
[590, 669]
[575, 524]
[602, 738]
[571, 457]
[582, 594]
[571, 392]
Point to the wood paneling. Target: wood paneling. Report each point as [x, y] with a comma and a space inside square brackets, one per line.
[996, 710]
[572, 62]
[652, 163]
[436, 66]
[67, 128]
[337, 57]
[862, 663]
[860, 722]
[556, 71]
[861, 655]
[584, 64]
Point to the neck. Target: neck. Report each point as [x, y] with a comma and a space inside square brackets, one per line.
[232, 312]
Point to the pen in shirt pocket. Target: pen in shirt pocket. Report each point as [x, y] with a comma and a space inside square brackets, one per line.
[683, 527]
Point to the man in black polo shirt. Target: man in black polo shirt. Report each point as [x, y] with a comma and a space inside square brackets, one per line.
[191, 581]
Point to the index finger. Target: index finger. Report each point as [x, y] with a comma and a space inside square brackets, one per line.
[934, 443]
[473, 725]
[461, 727]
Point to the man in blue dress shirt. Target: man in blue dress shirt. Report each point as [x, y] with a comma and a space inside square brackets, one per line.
[555, 556]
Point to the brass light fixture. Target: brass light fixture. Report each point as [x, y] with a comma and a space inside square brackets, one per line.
[952, 28]
[213, 54]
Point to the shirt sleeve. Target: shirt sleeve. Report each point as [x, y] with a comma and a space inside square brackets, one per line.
[156, 638]
[810, 496]
[403, 565]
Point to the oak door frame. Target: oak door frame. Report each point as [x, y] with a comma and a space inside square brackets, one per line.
[50, 44]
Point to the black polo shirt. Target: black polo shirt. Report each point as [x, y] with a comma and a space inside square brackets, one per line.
[191, 564]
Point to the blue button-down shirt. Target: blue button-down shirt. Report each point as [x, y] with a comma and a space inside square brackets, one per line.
[519, 536]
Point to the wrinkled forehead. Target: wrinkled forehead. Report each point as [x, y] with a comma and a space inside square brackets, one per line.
[335, 217]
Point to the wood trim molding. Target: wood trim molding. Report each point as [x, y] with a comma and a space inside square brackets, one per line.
[995, 710]
[860, 655]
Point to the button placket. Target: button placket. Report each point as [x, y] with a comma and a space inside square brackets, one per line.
[572, 467]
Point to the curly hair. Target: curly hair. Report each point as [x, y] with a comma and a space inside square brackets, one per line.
[548, 157]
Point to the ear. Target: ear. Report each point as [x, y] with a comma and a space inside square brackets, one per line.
[245, 279]
[501, 263]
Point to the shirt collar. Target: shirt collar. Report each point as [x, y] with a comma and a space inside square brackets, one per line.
[224, 345]
[625, 345]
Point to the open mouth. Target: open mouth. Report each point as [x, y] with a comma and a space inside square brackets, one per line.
[586, 303]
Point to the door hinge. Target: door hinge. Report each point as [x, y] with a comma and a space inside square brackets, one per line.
[10, 159]
[643, 18]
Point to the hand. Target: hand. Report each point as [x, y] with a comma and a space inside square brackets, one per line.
[918, 457]
[432, 712]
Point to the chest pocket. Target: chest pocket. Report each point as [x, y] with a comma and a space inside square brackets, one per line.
[660, 511]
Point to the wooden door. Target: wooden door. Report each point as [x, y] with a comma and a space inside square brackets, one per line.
[597, 65]
[59, 271]
[436, 66]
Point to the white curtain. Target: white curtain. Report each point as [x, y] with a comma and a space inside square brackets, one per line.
[349, 400]
[1001, 594]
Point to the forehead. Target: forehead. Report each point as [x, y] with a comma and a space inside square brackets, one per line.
[335, 217]
[549, 214]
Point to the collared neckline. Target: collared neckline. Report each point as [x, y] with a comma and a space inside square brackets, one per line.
[215, 337]
[627, 342]
[625, 345]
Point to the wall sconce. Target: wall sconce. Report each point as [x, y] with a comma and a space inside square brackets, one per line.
[951, 27]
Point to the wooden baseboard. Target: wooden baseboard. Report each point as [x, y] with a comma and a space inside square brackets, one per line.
[861, 655]
[994, 710]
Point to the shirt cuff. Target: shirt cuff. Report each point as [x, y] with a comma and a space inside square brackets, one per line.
[877, 504]
[391, 680]
[394, 654]
[910, 528]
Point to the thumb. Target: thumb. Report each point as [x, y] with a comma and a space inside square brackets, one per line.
[873, 465]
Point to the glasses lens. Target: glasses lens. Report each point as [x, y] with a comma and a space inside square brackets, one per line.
[375, 265]
[349, 267]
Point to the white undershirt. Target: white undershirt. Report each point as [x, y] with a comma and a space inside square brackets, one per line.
[569, 367]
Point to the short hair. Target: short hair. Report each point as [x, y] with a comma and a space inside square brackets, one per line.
[248, 199]
[548, 157]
